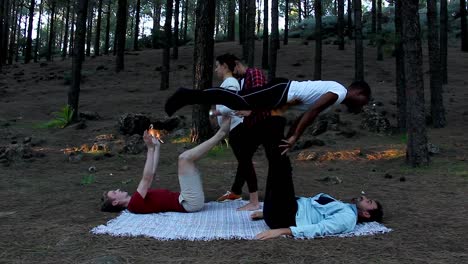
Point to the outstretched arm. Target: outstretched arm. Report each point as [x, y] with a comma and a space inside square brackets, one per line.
[307, 119]
[152, 159]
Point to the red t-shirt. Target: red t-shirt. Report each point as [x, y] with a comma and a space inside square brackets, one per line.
[156, 201]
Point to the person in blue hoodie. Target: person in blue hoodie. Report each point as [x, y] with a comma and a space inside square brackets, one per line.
[305, 217]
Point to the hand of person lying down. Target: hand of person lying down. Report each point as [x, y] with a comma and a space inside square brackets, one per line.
[273, 233]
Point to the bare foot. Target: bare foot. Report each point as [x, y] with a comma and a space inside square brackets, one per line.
[249, 207]
[256, 215]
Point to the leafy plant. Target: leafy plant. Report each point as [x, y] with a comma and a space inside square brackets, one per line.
[87, 179]
[62, 118]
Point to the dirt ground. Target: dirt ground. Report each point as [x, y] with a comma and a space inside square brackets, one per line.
[49, 206]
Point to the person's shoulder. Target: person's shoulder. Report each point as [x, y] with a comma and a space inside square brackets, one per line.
[231, 83]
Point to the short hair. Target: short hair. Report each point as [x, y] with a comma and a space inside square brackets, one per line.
[107, 206]
[375, 214]
[228, 59]
[363, 88]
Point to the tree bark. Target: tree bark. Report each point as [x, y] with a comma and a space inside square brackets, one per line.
[5, 31]
[167, 47]
[231, 20]
[65, 38]
[416, 152]
[137, 25]
[299, 10]
[443, 39]
[15, 30]
[379, 31]
[51, 43]
[340, 24]
[373, 17]
[97, 39]
[437, 102]
[463, 24]
[28, 53]
[78, 56]
[359, 49]
[2, 23]
[121, 32]
[242, 18]
[38, 34]
[350, 19]
[273, 40]
[400, 70]
[203, 67]
[175, 48]
[186, 18]
[318, 40]
[265, 35]
[89, 32]
[72, 32]
[250, 33]
[286, 21]
[106, 42]
[156, 22]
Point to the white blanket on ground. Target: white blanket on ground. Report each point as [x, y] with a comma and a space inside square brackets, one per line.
[215, 221]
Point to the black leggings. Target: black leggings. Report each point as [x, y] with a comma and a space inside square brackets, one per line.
[280, 206]
[272, 95]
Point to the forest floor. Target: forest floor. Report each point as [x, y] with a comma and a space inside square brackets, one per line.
[49, 205]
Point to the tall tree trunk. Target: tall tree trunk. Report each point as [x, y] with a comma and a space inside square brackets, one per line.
[167, 47]
[28, 53]
[400, 70]
[373, 17]
[72, 32]
[51, 44]
[89, 32]
[273, 40]
[341, 24]
[175, 48]
[78, 57]
[259, 14]
[231, 20]
[299, 11]
[156, 22]
[137, 25]
[65, 39]
[379, 31]
[250, 36]
[5, 31]
[241, 22]
[2, 23]
[38, 32]
[306, 9]
[350, 19]
[318, 40]
[97, 39]
[121, 33]
[437, 102]
[265, 36]
[286, 22]
[359, 49]
[186, 18]
[18, 35]
[464, 33]
[416, 151]
[106, 42]
[443, 39]
[203, 67]
[218, 16]
[12, 49]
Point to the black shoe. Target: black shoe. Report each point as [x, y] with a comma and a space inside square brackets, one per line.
[179, 99]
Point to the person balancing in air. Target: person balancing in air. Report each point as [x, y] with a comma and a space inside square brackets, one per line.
[312, 97]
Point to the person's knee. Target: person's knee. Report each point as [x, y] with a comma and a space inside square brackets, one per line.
[196, 203]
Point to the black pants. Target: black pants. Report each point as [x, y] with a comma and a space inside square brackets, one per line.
[272, 95]
[244, 142]
[280, 207]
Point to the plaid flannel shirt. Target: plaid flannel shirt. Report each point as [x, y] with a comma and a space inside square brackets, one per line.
[253, 80]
